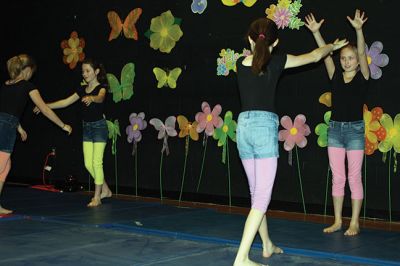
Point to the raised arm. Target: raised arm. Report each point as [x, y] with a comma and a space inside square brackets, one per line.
[357, 24]
[314, 27]
[38, 101]
[315, 55]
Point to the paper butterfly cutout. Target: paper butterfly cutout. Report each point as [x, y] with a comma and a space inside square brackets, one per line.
[187, 128]
[165, 130]
[247, 3]
[123, 90]
[127, 27]
[167, 79]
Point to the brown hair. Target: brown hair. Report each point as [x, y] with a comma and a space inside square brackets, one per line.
[264, 33]
[18, 63]
[102, 76]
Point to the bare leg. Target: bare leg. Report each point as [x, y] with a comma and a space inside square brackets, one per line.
[268, 247]
[2, 210]
[5, 166]
[338, 206]
[354, 228]
[96, 201]
[105, 191]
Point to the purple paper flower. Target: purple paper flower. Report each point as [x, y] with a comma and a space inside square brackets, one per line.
[137, 124]
[282, 17]
[198, 6]
[376, 60]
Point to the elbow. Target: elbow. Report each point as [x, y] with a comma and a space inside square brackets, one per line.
[315, 56]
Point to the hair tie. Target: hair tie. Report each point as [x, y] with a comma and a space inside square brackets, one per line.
[261, 36]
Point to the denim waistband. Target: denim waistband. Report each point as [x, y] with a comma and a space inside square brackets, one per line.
[94, 123]
[333, 123]
[258, 114]
[11, 119]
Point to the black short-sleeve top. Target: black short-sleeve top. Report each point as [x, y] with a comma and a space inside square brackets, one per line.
[13, 97]
[95, 111]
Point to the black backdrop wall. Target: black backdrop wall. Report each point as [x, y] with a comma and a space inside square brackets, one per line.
[38, 27]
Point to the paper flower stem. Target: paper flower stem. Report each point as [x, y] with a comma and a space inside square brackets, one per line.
[301, 184]
[229, 172]
[184, 165]
[116, 171]
[202, 163]
[326, 189]
[365, 185]
[136, 181]
[161, 162]
[389, 192]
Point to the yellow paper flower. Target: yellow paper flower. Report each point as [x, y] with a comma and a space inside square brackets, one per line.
[164, 32]
[270, 11]
[73, 50]
[284, 3]
[392, 139]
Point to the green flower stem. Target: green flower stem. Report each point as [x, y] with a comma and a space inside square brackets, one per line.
[161, 163]
[326, 188]
[389, 192]
[116, 169]
[365, 185]
[202, 164]
[301, 185]
[184, 166]
[229, 172]
[136, 177]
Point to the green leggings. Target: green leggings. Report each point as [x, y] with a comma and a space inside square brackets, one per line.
[93, 153]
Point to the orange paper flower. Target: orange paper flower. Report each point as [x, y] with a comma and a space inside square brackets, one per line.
[73, 50]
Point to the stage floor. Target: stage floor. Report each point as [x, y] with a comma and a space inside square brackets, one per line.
[51, 228]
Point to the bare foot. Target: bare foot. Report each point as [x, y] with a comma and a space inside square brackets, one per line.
[353, 230]
[333, 228]
[94, 202]
[5, 211]
[247, 262]
[271, 249]
[106, 194]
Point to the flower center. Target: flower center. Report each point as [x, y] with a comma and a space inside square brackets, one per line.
[293, 131]
[209, 117]
[164, 32]
[135, 126]
[393, 132]
[369, 60]
[225, 128]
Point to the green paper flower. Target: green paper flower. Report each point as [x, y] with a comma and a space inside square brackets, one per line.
[392, 139]
[165, 32]
[113, 133]
[227, 129]
[322, 130]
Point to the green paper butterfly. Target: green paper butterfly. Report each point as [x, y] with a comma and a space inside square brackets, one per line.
[167, 79]
[123, 90]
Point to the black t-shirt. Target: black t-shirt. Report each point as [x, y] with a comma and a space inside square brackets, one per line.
[95, 111]
[348, 98]
[13, 97]
[257, 92]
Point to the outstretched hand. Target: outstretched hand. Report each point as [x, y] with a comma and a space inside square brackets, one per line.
[67, 128]
[337, 44]
[87, 100]
[36, 110]
[359, 19]
[312, 24]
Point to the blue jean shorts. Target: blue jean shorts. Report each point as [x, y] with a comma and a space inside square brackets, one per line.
[8, 132]
[257, 135]
[348, 135]
[96, 131]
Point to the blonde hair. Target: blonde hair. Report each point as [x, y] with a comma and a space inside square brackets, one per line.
[16, 64]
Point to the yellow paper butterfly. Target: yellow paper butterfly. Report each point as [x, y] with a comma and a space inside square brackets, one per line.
[167, 79]
[247, 3]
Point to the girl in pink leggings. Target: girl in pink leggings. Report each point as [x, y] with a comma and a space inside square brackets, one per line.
[346, 130]
[257, 130]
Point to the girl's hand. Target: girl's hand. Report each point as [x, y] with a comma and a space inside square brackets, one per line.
[23, 133]
[36, 110]
[358, 20]
[87, 100]
[312, 24]
[67, 128]
[337, 44]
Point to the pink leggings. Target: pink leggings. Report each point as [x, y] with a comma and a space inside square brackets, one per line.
[5, 165]
[261, 176]
[337, 164]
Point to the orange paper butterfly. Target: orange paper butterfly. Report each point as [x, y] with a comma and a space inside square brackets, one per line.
[128, 26]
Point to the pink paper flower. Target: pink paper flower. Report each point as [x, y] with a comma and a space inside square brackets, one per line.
[209, 120]
[294, 133]
[281, 17]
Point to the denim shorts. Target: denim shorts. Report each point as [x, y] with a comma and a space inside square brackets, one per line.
[348, 135]
[8, 132]
[96, 131]
[257, 135]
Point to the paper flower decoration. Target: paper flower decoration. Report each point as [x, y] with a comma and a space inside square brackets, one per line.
[228, 129]
[392, 128]
[187, 128]
[164, 32]
[284, 14]
[247, 3]
[123, 90]
[376, 59]
[208, 120]
[73, 50]
[198, 6]
[127, 27]
[294, 133]
[113, 133]
[137, 124]
[167, 78]
[326, 99]
[227, 61]
[164, 130]
[322, 130]
[374, 131]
